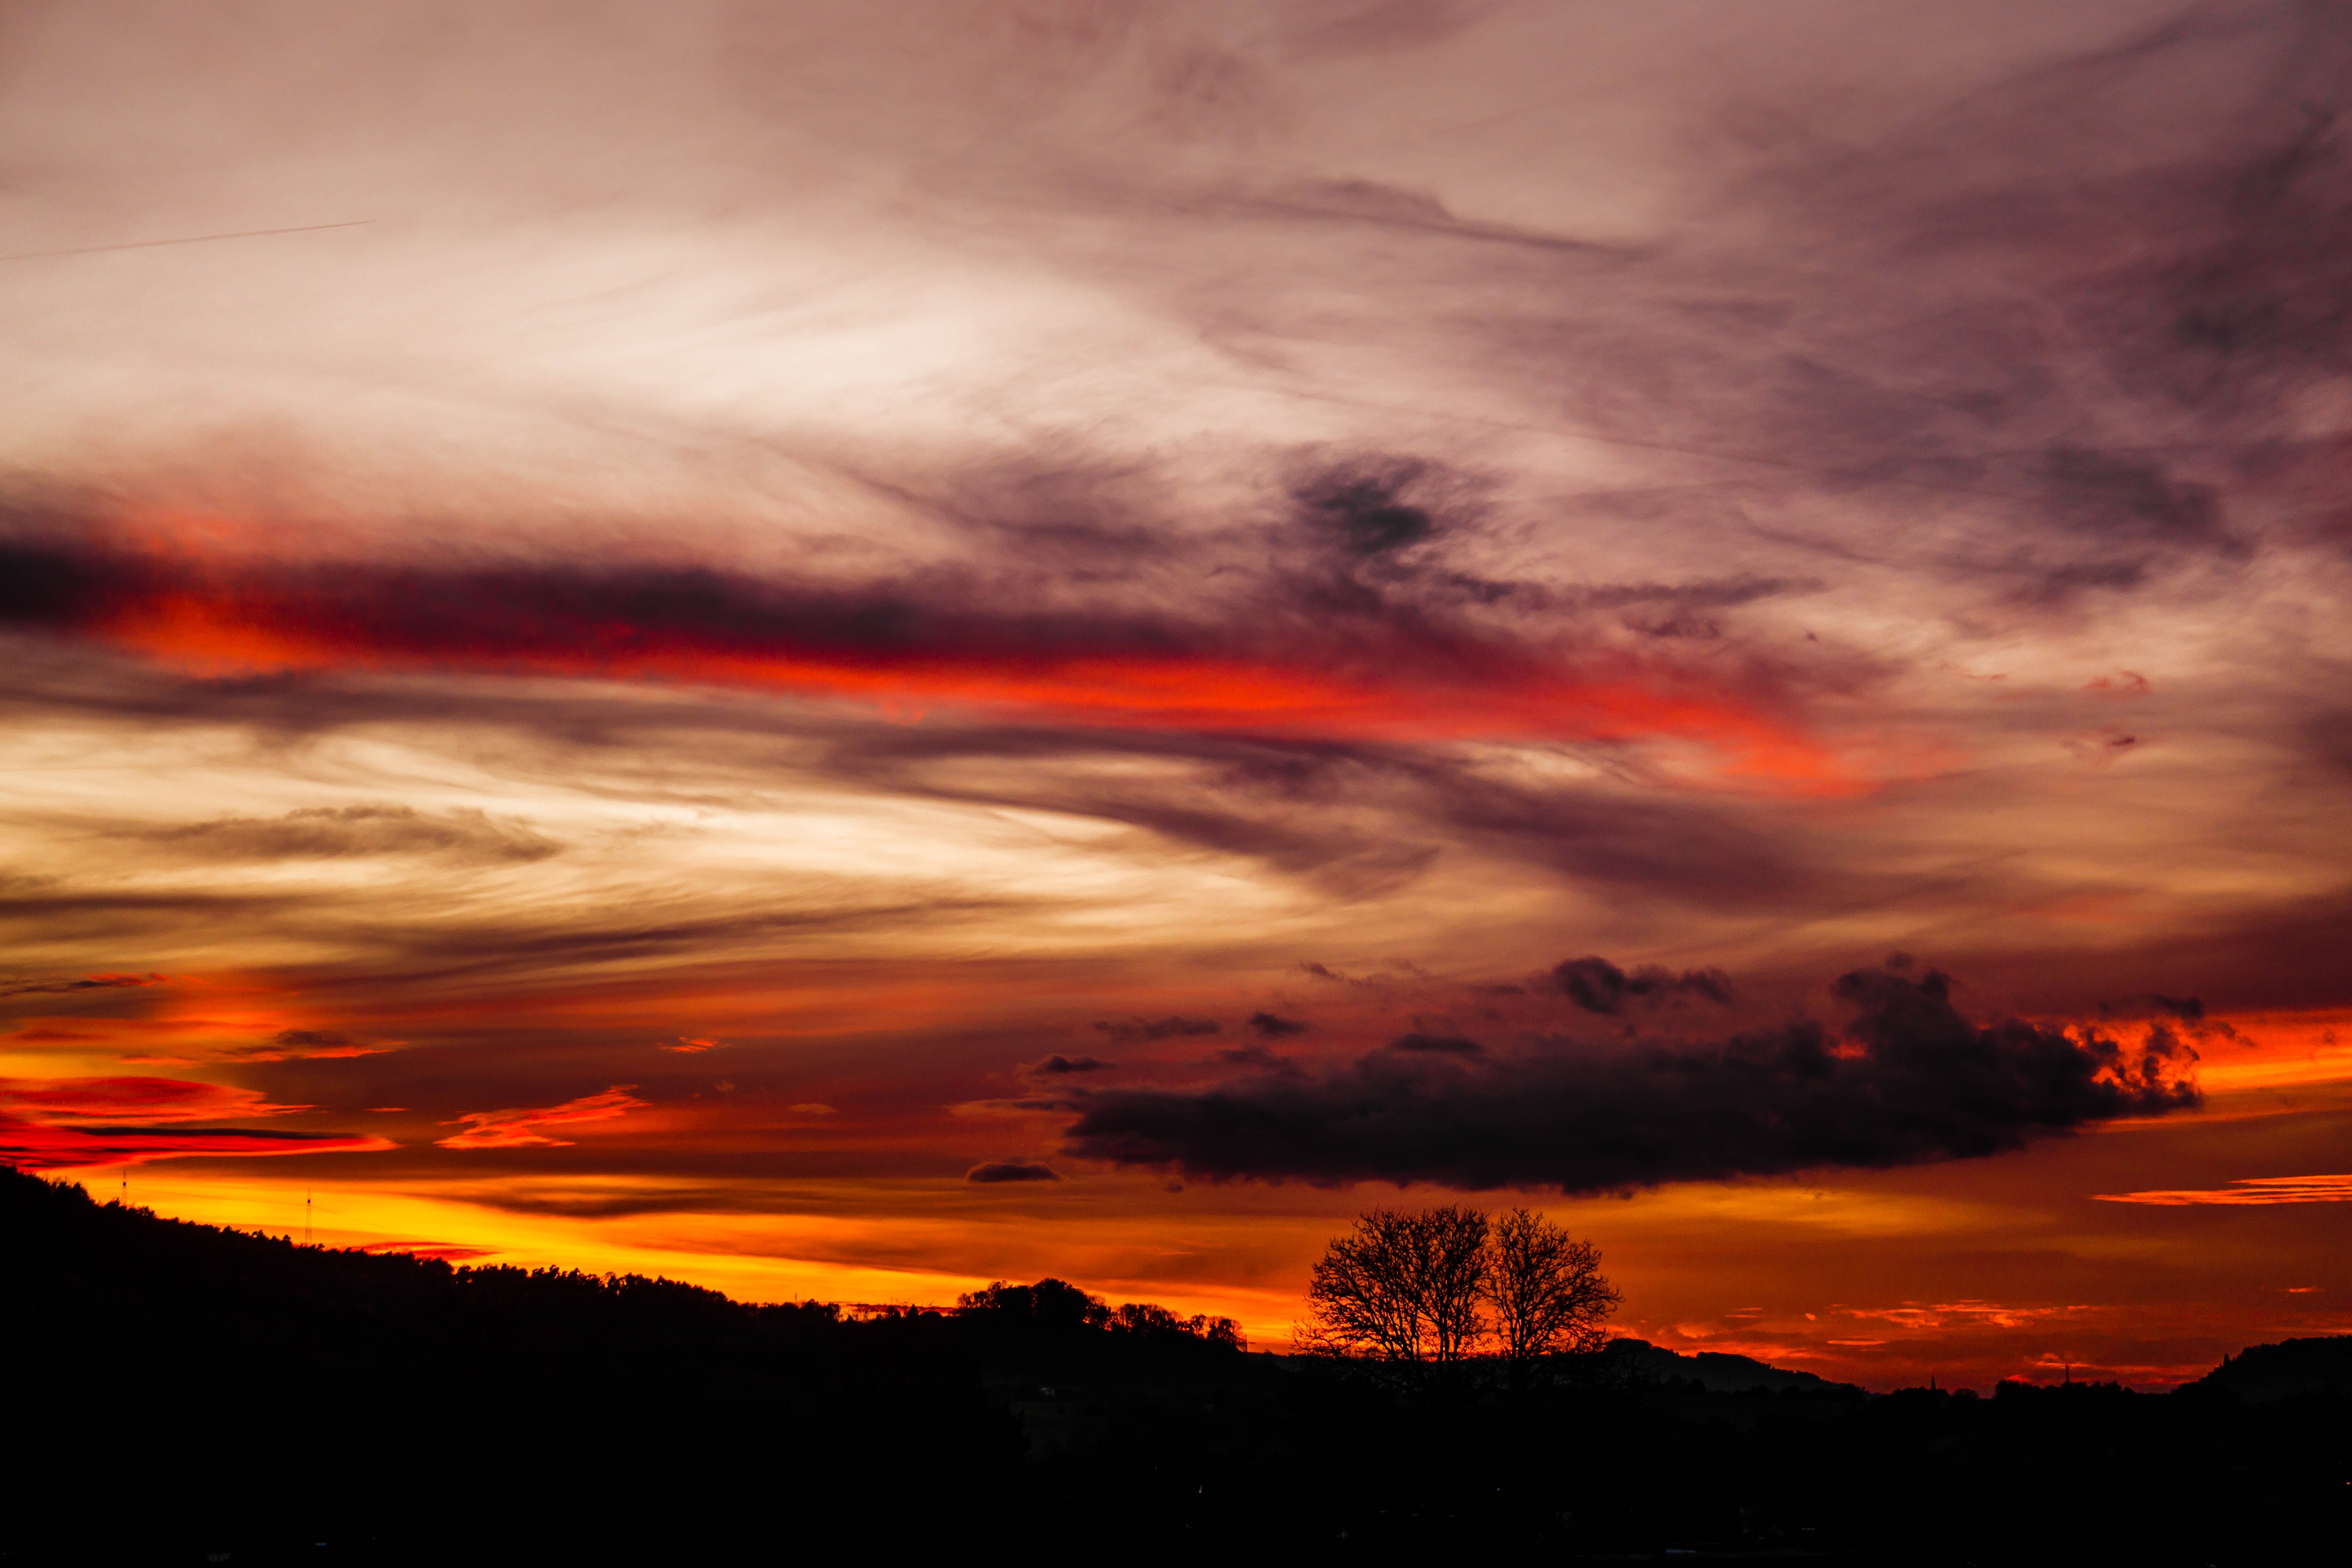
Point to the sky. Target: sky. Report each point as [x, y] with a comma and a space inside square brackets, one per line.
[843, 651]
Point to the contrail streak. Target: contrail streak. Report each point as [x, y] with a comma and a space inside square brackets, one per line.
[190, 240]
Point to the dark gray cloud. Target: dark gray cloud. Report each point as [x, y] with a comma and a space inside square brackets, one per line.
[1060, 1066]
[421, 951]
[2188, 1009]
[79, 986]
[55, 908]
[1418, 1044]
[345, 831]
[1907, 1079]
[1258, 1058]
[1363, 820]
[1172, 1028]
[1373, 507]
[1598, 985]
[998, 1171]
[1274, 1025]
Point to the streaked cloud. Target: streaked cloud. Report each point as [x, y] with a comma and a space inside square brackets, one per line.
[73, 1122]
[520, 1129]
[2247, 1190]
[138, 1100]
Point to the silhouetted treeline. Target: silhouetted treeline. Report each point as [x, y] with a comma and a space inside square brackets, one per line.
[177, 1391]
[176, 1386]
[2288, 1370]
[1052, 1311]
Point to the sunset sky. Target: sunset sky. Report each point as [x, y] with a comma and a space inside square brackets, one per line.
[843, 650]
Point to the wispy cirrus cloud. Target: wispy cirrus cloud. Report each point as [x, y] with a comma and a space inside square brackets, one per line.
[73, 987]
[342, 832]
[1335, 654]
[519, 1128]
[139, 1100]
[2248, 1190]
[304, 1045]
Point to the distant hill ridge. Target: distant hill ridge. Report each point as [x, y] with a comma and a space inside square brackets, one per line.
[1717, 1371]
[2284, 1370]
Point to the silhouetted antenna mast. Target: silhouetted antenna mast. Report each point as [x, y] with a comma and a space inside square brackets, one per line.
[306, 1216]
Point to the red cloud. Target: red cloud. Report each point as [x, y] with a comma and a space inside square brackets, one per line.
[38, 1146]
[906, 649]
[50, 1124]
[72, 1101]
[515, 1129]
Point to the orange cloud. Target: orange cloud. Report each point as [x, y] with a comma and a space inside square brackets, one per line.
[1920, 1315]
[305, 1045]
[2250, 1190]
[517, 1129]
[187, 1018]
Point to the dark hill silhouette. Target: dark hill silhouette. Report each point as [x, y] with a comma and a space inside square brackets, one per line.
[178, 1387]
[177, 1391]
[2288, 1370]
[1716, 1371]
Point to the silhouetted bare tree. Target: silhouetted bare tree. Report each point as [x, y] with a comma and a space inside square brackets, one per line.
[1360, 1297]
[1546, 1287]
[1402, 1287]
[1410, 1287]
[1450, 1263]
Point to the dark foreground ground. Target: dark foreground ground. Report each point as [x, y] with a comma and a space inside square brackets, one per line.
[180, 1394]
